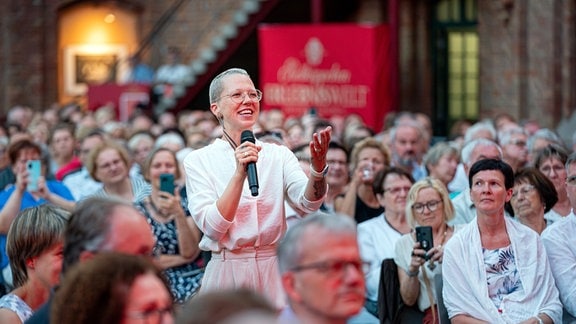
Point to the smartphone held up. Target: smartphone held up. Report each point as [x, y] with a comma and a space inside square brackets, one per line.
[167, 183]
[34, 173]
[424, 237]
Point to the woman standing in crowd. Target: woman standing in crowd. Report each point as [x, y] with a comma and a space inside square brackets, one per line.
[109, 163]
[533, 195]
[240, 229]
[130, 289]
[176, 234]
[496, 270]
[550, 161]
[34, 247]
[428, 205]
[368, 157]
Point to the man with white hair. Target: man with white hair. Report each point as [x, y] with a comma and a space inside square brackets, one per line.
[542, 138]
[406, 138]
[483, 129]
[513, 142]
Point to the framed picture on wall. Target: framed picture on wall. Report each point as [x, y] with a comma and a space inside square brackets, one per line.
[93, 64]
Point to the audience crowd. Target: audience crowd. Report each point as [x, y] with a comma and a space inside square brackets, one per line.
[499, 198]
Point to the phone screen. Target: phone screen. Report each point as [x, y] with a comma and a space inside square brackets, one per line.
[167, 183]
[34, 172]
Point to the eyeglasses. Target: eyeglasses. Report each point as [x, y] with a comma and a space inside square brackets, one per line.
[571, 180]
[557, 168]
[524, 191]
[431, 205]
[239, 96]
[397, 190]
[334, 267]
[108, 165]
[153, 315]
[519, 143]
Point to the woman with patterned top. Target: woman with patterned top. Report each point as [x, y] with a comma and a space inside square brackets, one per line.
[34, 247]
[176, 234]
[495, 270]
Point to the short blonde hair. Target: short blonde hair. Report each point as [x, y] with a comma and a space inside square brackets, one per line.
[33, 232]
[435, 184]
[91, 164]
[368, 142]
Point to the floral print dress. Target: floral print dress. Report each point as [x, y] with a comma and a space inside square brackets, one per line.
[184, 279]
[501, 273]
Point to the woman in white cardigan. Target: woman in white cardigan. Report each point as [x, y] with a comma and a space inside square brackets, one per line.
[495, 270]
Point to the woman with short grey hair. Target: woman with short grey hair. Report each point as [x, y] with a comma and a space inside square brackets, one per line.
[441, 162]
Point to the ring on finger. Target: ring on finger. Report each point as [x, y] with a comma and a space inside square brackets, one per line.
[245, 154]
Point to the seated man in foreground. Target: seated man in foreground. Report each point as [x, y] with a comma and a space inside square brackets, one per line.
[321, 270]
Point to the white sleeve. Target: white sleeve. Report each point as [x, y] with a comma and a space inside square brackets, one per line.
[559, 243]
[369, 253]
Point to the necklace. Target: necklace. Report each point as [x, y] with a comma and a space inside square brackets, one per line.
[431, 264]
[155, 209]
[229, 139]
[444, 236]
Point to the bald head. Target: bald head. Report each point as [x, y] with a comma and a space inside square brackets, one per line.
[129, 232]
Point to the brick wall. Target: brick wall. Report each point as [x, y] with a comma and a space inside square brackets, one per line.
[28, 43]
[27, 54]
[525, 55]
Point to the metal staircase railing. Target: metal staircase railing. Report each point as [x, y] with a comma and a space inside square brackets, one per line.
[226, 40]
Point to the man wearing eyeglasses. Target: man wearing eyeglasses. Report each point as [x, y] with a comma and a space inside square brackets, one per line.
[322, 272]
[560, 245]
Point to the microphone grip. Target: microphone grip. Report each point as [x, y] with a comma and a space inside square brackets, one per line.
[253, 179]
[248, 136]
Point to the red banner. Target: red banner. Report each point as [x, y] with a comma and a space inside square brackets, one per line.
[339, 69]
[124, 97]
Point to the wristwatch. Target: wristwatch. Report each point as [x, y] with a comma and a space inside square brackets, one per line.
[317, 174]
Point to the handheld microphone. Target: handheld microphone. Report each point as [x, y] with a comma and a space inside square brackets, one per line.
[248, 136]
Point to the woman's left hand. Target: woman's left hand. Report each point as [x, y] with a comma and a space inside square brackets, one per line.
[319, 148]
